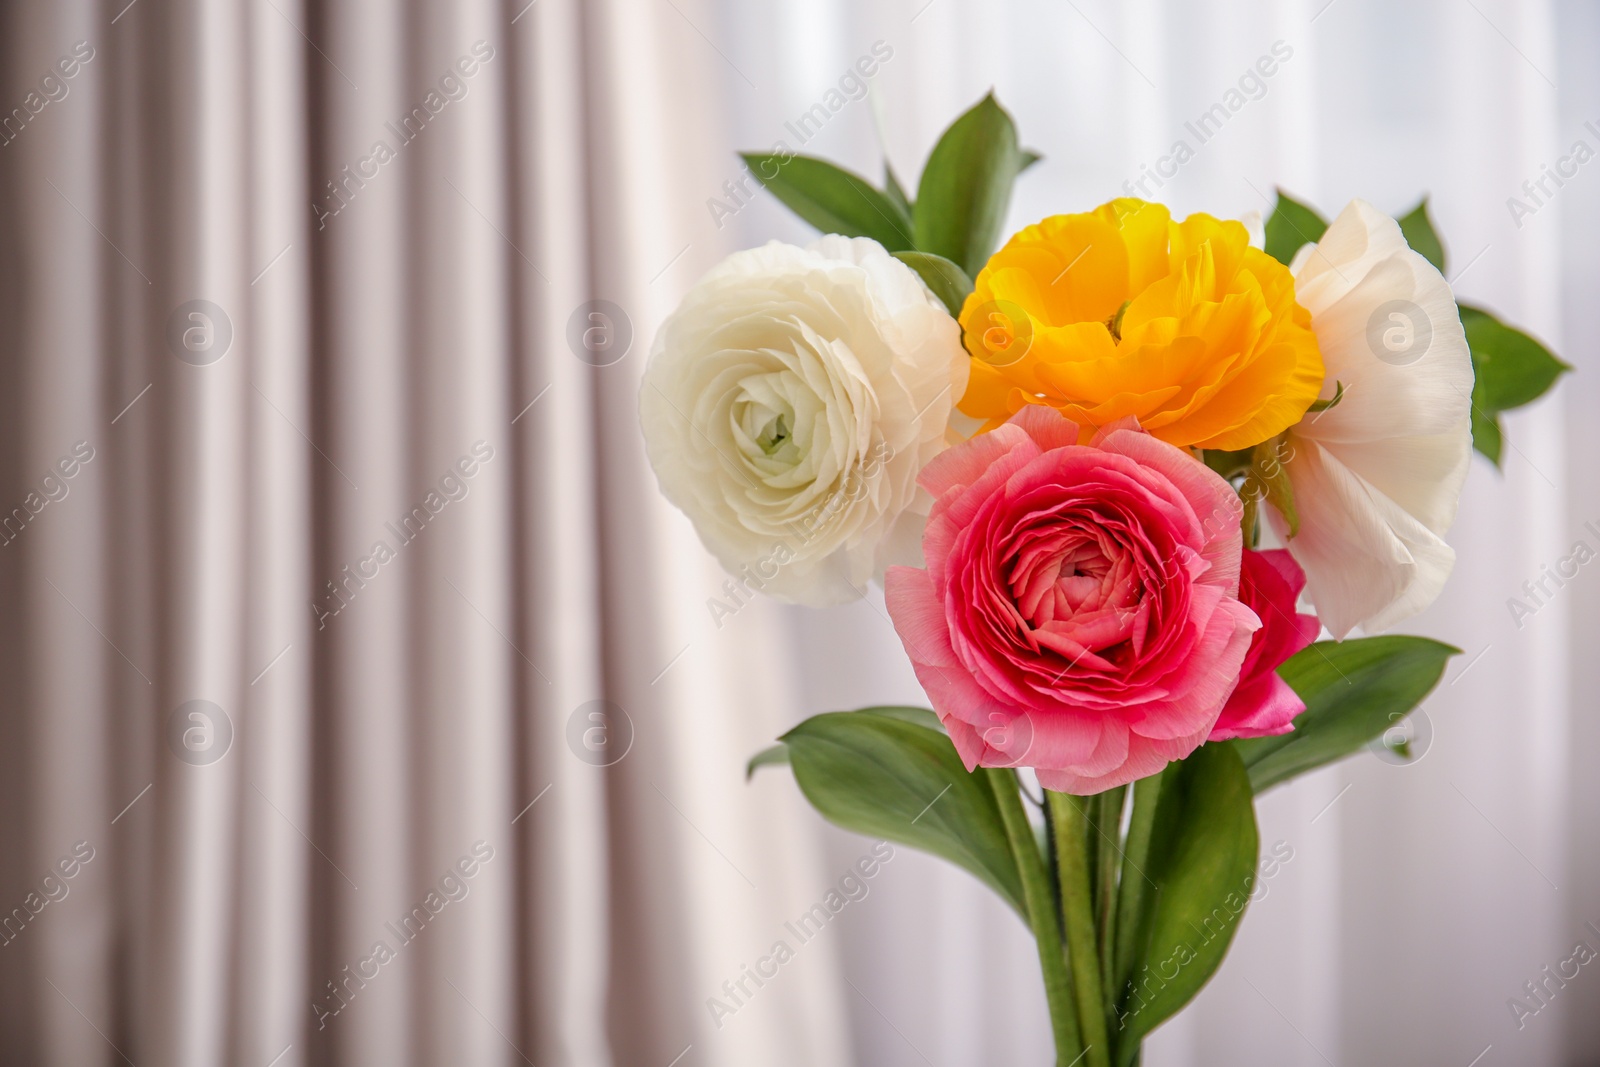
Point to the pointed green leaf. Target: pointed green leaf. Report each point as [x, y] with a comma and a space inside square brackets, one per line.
[1510, 368]
[966, 187]
[1291, 225]
[772, 756]
[778, 754]
[1203, 851]
[895, 191]
[1417, 229]
[905, 713]
[948, 282]
[832, 199]
[879, 774]
[1353, 691]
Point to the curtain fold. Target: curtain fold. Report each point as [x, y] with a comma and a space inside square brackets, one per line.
[307, 650]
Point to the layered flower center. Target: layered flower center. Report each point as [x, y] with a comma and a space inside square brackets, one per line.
[800, 432]
[1076, 591]
[764, 416]
[1122, 312]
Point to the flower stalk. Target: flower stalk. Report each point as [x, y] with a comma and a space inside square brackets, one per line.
[1069, 822]
[1107, 824]
[1135, 884]
[1039, 897]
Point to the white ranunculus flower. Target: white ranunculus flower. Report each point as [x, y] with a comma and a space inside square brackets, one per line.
[789, 404]
[1378, 476]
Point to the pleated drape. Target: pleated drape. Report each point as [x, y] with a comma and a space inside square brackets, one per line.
[305, 654]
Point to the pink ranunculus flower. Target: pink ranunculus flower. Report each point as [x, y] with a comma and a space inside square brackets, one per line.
[1263, 704]
[1079, 613]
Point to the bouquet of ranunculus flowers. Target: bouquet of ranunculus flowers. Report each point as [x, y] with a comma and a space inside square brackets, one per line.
[1066, 461]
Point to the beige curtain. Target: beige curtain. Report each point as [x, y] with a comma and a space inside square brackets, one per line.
[358, 705]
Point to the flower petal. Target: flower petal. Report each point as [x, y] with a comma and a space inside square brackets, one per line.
[1368, 562]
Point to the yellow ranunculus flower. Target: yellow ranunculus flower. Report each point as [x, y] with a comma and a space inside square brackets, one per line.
[1122, 311]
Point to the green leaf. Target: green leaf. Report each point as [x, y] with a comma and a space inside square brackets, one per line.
[948, 281]
[877, 773]
[1417, 229]
[1291, 225]
[1203, 851]
[1353, 690]
[1487, 436]
[895, 191]
[905, 713]
[832, 199]
[772, 756]
[1509, 369]
[778, 754]
[966, 186]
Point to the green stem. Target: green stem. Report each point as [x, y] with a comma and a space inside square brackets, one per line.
[1108, 835]
[1040, 900]
[1136, 884]
[1070, 823]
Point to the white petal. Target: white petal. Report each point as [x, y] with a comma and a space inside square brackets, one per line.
[1377, 477]
[1356, 241]
[1422, 475]
[1394, 341]
[1368, 563]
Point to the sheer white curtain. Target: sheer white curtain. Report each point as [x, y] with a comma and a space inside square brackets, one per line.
[1419, 898]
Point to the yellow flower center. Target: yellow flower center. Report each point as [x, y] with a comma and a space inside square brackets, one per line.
[1122, 311]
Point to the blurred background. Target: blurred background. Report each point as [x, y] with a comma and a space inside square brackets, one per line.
[362, 699]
